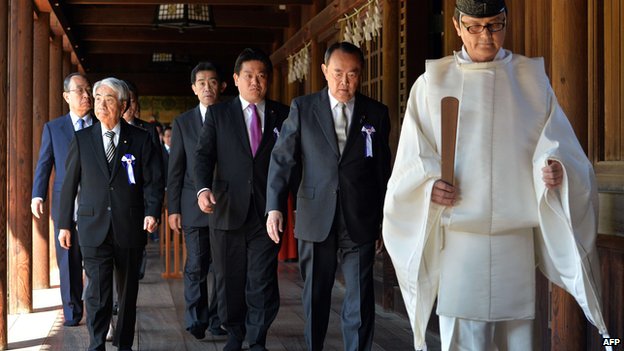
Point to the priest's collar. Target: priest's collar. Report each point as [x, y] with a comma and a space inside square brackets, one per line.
[463, 57]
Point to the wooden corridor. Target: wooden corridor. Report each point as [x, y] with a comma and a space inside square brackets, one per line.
[160, 320]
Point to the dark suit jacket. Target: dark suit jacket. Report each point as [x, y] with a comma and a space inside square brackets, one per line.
[55, 139]
[108, 198]
[224, 146]
[181, 192]
[308, 139]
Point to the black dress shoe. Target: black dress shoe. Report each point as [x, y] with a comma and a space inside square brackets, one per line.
[233, 344]
[198, 331]
[72, 323]
[218, 331]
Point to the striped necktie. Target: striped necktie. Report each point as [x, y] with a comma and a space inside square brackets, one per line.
[110, 147]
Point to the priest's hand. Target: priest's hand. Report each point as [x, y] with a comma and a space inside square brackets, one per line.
[443, 193]
[64, 238]
[552, 175]
[275, 225]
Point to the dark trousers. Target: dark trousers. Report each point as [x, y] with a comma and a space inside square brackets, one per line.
[70, 272]
[99, 263]
[318, 262]
[201, 302]
[245, 265]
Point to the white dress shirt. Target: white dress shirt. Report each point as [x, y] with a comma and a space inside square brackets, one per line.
[335, 109]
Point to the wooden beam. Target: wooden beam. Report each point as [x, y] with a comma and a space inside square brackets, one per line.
[212, 2]
[169, 35]
[4, 56]
[94, 48]
[225, 17]
[323, 20]
[41, 77]
[20, 156]
[43, 6]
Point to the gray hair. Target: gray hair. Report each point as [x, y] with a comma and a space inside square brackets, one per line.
[67, 80]
[118, 85]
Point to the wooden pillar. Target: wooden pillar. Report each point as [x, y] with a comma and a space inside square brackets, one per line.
[390, 97]
[67, 69]
[276, 77]
[451, 41]
[569, 81]
[55, 109]
[55, 87]
[20, 156]
[41, 77]
[317, 53]
[295, 21]
[4, 20]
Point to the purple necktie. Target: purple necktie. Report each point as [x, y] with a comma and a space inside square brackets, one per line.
[255, 130]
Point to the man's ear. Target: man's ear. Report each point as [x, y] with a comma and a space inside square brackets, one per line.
[66, 96]
[457, 28]
[223, 86]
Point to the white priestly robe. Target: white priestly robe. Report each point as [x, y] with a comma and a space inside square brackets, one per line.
[479, 256]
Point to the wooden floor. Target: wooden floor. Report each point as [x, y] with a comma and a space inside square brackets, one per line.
[160, 315]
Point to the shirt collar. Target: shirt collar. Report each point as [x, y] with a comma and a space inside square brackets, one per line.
[333, 101]
[465, 58]
[116, 129]
[202, 110]
[74, 118]
[245, 104]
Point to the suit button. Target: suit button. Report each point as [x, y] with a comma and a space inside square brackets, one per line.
[108, 208]
[112, 188]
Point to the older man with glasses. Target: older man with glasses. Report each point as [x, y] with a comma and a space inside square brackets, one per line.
[55, 140]
[523, 195]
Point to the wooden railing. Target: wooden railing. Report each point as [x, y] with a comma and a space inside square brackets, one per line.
[174, 259]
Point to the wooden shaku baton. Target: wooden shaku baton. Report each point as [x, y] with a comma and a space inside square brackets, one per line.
[450, 108]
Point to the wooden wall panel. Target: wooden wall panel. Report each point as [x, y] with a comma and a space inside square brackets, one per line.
[4, 26]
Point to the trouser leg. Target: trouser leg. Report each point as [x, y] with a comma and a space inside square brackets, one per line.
[262, 290]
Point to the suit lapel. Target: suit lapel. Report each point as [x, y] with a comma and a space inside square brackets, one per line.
[67, 128]
[122, 147]
[270, 117]
[322, 112]
[98, 148]
[238, 118]
[355, 127]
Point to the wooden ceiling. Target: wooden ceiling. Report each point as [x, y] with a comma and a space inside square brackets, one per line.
[118, 37]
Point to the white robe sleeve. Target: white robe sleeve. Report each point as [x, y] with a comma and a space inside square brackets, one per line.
[568, 216]
[411, 228]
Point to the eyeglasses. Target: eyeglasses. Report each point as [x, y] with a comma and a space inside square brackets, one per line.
[491, 27]
[81, 91]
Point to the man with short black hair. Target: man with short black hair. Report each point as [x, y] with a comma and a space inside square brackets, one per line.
[231, 166]
[200, 295]
[339, 139]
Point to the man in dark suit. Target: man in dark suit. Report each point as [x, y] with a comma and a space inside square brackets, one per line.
[184, 213]
[120, 197]
[55, 139]
[236, 143]
[166, 149]
[340, 139]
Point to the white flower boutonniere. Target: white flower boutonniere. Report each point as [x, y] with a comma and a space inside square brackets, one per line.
[128, 161]
[276, 132]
